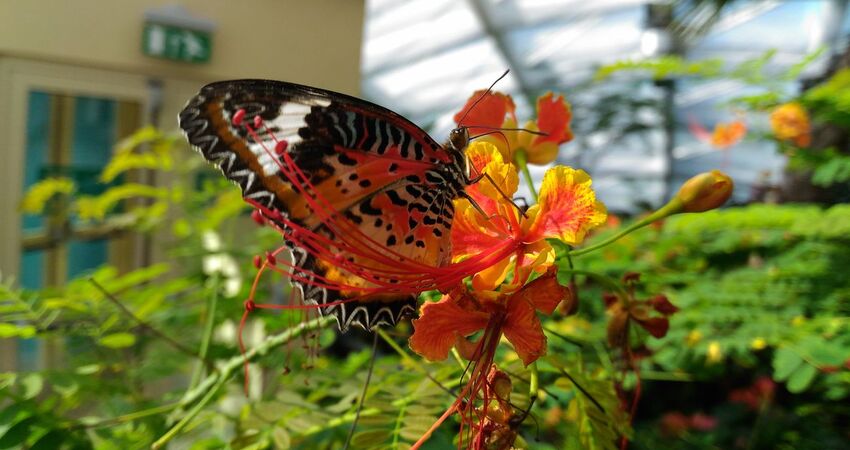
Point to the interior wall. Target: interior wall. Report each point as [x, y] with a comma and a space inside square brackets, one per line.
[315, 42]
[94, 48]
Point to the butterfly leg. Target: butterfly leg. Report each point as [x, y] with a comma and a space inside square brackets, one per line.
[502, 193]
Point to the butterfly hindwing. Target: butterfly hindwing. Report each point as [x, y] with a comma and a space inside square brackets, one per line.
[378, 173]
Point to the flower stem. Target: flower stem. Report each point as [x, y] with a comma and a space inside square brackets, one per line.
[208, 329]
[533, 386]
[189, 416]
[666, 210]
[522, 161]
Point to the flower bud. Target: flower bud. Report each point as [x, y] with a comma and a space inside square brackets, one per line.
[705, 191]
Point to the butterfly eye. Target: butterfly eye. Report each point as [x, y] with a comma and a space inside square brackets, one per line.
[459, 138]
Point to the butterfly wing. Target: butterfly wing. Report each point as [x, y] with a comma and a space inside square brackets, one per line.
[356, 178]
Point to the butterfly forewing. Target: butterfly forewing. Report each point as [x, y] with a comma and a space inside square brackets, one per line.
[366, 183]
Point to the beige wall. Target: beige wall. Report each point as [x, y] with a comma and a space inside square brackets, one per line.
[314, 42]
[94, 48]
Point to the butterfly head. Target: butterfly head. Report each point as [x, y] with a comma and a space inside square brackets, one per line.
[458, 140]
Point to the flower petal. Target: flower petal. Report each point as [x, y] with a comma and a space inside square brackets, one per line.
[481, 153]
[473, 233]
[523, 330]
[726, 135]
[485, 109]
[543, 153]
[439, 325]
[657, 326]
[553, 118]
[567, 207]
[545, 293]
[536, 257]
[491, 277]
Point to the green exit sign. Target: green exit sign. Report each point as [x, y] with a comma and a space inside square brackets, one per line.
[176, 43]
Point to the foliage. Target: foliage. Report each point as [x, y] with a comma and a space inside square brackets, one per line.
[828, 102]
[759, 294]
[752, 71]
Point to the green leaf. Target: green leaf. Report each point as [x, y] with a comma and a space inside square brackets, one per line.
[822, 353]
[32, 384]
[118, 340]
[50, 441]
[8, 330]
[7, 379]
[281, 438]
[801, 378]
[17, 434]
[785, 362]
[369, 438]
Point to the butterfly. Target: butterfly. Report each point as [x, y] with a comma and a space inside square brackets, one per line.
[362, 196]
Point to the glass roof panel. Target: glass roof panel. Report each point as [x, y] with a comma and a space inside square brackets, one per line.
[423, 58]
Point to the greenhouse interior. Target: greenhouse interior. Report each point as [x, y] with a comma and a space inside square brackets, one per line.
[425, 224]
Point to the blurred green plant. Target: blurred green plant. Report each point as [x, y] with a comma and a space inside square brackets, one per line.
[761, 293]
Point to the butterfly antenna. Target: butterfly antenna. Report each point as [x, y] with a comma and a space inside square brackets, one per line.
[481, 97]
[496, 130]
[363, 395]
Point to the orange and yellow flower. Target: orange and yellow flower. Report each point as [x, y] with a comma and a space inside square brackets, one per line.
[446, 323]
[567, 208]
[496, 110]
[790, 122]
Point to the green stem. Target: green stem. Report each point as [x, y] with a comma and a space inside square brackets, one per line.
[458, 359]
[389, 340]
[189, 416]
[670, 208]
[208, 331]
[533, 383]
[129, 417]
[521, 160]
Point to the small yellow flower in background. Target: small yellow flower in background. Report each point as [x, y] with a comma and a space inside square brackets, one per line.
[714, 354]
[790, 122]
[758, 344]
[693, 338]
[798, 320]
